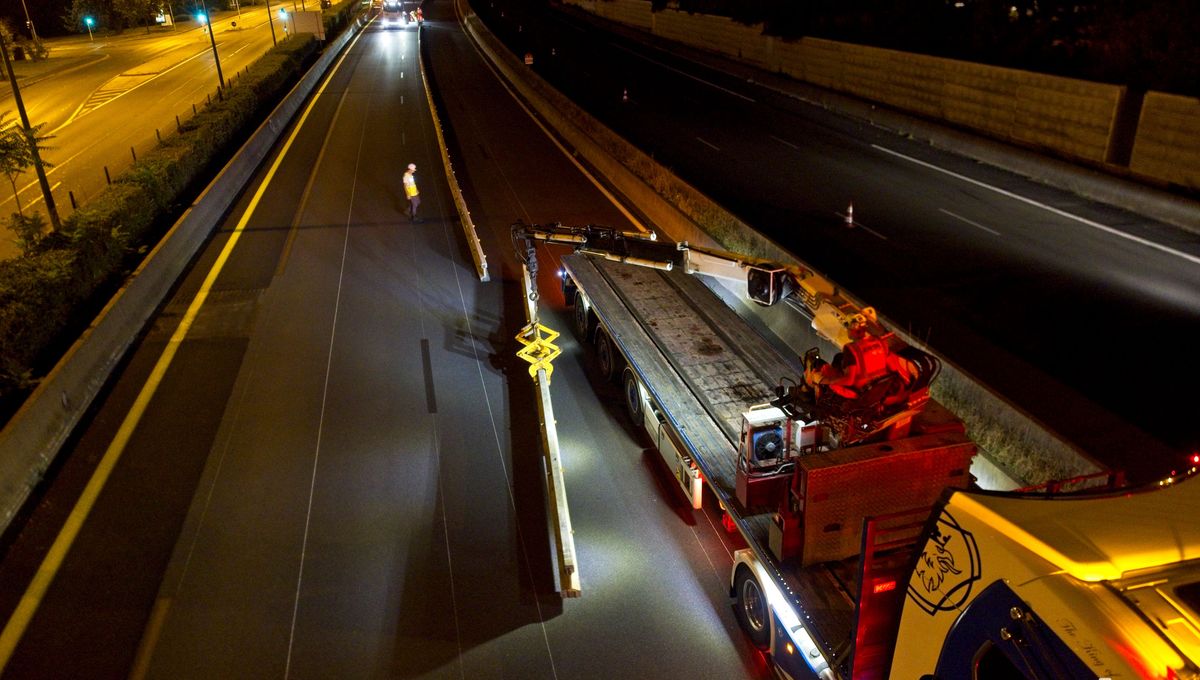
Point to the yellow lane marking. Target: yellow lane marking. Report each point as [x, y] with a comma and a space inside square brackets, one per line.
[21, 617]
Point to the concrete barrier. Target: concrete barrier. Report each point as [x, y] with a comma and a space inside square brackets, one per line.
[460, 205]
[31, 440]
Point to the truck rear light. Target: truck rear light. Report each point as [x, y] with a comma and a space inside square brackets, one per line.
[883, 587]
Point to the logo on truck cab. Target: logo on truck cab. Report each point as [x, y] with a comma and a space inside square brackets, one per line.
[947, 568]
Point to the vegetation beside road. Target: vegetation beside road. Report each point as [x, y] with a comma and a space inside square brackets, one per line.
[50, 293]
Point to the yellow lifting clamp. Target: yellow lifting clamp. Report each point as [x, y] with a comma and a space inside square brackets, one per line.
[539, 348]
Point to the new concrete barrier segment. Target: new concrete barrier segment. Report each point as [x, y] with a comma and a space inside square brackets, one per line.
[460, 204]
[599, 148]
[31, 440]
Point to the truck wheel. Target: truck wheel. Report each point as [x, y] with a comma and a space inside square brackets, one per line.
[633, 397]
[606, 355]
[751, 608]
[581, 317]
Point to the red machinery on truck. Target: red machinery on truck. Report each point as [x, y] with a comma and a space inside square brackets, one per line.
[867, 557]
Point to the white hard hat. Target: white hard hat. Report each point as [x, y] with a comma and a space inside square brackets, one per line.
[412, 166]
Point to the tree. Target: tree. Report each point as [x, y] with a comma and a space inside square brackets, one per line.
[16, 152]
[101, 11]
[135, 12]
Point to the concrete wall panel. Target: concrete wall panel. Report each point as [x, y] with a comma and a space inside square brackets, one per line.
[629, 12]
[1074, 118]
[1168, 139]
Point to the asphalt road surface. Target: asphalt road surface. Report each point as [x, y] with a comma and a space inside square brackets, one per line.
[1079, 313]
[339, 474]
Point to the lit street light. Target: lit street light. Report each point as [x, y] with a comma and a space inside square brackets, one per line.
[88, 21]
[203, 18]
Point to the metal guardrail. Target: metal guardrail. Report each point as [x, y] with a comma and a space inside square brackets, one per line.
[481, 266]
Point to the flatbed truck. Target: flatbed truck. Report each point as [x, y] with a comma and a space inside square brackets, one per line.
[867, 555]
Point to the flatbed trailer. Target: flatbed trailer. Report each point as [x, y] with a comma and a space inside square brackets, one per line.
[868, 556]
[699, 367]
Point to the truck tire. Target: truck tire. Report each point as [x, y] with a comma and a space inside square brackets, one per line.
[606, 355]
[582, 322]
[633, 397]
[751, 608]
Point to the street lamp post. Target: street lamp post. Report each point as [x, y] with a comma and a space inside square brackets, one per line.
[89, 21]
[213, 40]
[271, 23]
[29, 135]
[32, 30]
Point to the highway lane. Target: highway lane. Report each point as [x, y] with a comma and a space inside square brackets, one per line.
[339, 475]
[1066, 307]
[120, 91]
[655, 573]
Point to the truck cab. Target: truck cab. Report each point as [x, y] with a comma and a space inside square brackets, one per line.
[1071, 588]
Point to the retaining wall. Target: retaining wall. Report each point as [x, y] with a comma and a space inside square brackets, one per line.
[1068, 117]
[1167, 145]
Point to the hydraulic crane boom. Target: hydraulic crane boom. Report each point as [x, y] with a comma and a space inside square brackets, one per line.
[873, 386]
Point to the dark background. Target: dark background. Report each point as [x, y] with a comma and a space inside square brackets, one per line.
[1144, 44]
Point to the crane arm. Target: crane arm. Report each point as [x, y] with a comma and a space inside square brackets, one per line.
[876, 382]
[835, 317]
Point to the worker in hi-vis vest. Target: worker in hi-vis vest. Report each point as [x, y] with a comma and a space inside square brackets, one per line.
[411, 193]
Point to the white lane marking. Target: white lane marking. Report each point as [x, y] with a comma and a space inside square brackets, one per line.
[970, 222]
[786, 142]
[1056, 211]
[870, 231]
[328, 362]
[312, 486]
[709, 144]
[475, 348]
[686, 74]
[84, 108]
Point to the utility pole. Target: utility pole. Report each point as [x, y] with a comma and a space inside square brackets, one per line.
[271, 22]
[213, 40]
[29, 136]
[29, 22]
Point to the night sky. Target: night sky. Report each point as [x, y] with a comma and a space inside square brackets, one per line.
[46, 14]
